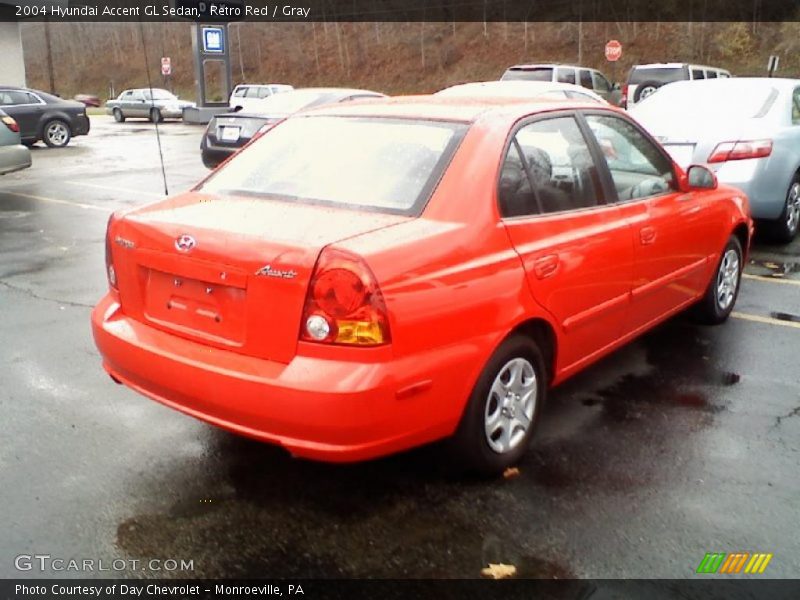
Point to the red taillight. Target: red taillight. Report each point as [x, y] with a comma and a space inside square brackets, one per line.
[740, 150]
[623, 101]
[344, 304]
[11, 124]
[111, 272]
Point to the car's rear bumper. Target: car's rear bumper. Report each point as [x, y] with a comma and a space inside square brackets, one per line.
[766, 193]
[332, 410]
[14, 158]
[213, 155]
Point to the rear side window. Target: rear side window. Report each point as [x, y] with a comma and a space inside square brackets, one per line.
[534, 74]
[658, 74]
[386, 165]
[13, 97]
[548, 169]
[637, 167]
[796, 106]
[711, 74]
[564, 75]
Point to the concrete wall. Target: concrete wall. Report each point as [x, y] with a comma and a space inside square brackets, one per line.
[12, 63]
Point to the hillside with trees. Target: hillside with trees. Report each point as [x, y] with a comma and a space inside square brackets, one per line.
[394, 58]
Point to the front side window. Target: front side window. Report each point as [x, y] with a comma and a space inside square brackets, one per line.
[712, 74]
[565, 75]
[698, 74]
[796, 106]
[586, 78]
[637, 166]
[386, 165]
[547, 169]
[239, 92]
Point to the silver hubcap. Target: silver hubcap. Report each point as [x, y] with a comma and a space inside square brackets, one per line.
[648, 91]
[793, 207]
[57, 133]
[510, 405]
[727, 279]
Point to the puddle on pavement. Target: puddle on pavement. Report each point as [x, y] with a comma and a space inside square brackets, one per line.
[782, 316]
[777, 269]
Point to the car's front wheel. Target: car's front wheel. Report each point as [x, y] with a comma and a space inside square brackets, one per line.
[723, 289]
[785, 228]
[118, 116]
[502, 411]
[56, 133]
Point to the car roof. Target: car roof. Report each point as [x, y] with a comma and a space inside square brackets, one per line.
[443, 108]
[780, 83]
[677, 65]
[549, 66]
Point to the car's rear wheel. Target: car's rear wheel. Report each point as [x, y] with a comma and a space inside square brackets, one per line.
[118, 116]
[643, 90]
[56, 133]
[155, 115]
[723, 289]
[785, 228]
[502, 411]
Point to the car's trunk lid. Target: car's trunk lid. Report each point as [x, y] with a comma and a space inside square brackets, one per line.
[228, 271]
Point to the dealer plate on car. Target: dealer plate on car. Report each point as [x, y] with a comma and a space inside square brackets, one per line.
[230, 134]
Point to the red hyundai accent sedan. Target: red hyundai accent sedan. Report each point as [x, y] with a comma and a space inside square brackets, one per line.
[368, 278]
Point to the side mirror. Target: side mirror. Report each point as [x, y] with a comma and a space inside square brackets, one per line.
[700, 177]
[616, 87]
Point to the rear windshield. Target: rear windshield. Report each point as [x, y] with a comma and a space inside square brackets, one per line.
[658, 75]
[386, 165]
[535, 74]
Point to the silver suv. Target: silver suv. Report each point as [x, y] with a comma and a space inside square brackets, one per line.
[591, 79]
[645, 80]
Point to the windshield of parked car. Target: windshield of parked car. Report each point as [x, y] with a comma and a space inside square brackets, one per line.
[716, 99]
[535, 74]
[388, 165]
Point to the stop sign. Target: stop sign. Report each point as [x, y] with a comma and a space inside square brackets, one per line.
[613, 50]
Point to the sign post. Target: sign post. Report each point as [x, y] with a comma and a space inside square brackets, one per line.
[613, 54]
[772, 65]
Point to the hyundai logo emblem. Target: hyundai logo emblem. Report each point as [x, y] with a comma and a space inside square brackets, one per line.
[185, 243]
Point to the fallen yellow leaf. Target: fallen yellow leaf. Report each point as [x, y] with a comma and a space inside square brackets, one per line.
[510, 472]
[499, 571]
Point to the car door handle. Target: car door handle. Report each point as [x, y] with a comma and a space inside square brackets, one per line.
[647, 235]
[545, 266]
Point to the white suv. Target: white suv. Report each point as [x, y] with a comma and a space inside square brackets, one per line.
[644, 80]
[246, 96]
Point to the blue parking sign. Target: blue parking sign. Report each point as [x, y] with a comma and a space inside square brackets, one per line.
[213, 39]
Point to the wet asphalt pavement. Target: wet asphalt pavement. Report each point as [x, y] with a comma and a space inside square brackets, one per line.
[685, 442]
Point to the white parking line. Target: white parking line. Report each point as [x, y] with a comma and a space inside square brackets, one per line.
[770, 279]
[58, 201]
[765, 320]
[115, 189]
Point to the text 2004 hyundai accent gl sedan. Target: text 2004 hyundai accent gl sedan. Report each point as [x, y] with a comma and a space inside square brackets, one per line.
[372, 277]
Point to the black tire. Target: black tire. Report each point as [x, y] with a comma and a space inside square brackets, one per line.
[155, 116]
[712, 309]
[470, 447]
[56, 133]
[118, 116]
[784, 228]
[650, 86]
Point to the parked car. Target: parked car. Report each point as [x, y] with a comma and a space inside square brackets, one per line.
[141, 103]
[88, 100]
[522, 90]
[44, 117]
[591, 79]
[373, 276]
[747, 129]
[644, 80]
[228, 133]
[246, 96]
[13, 155]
